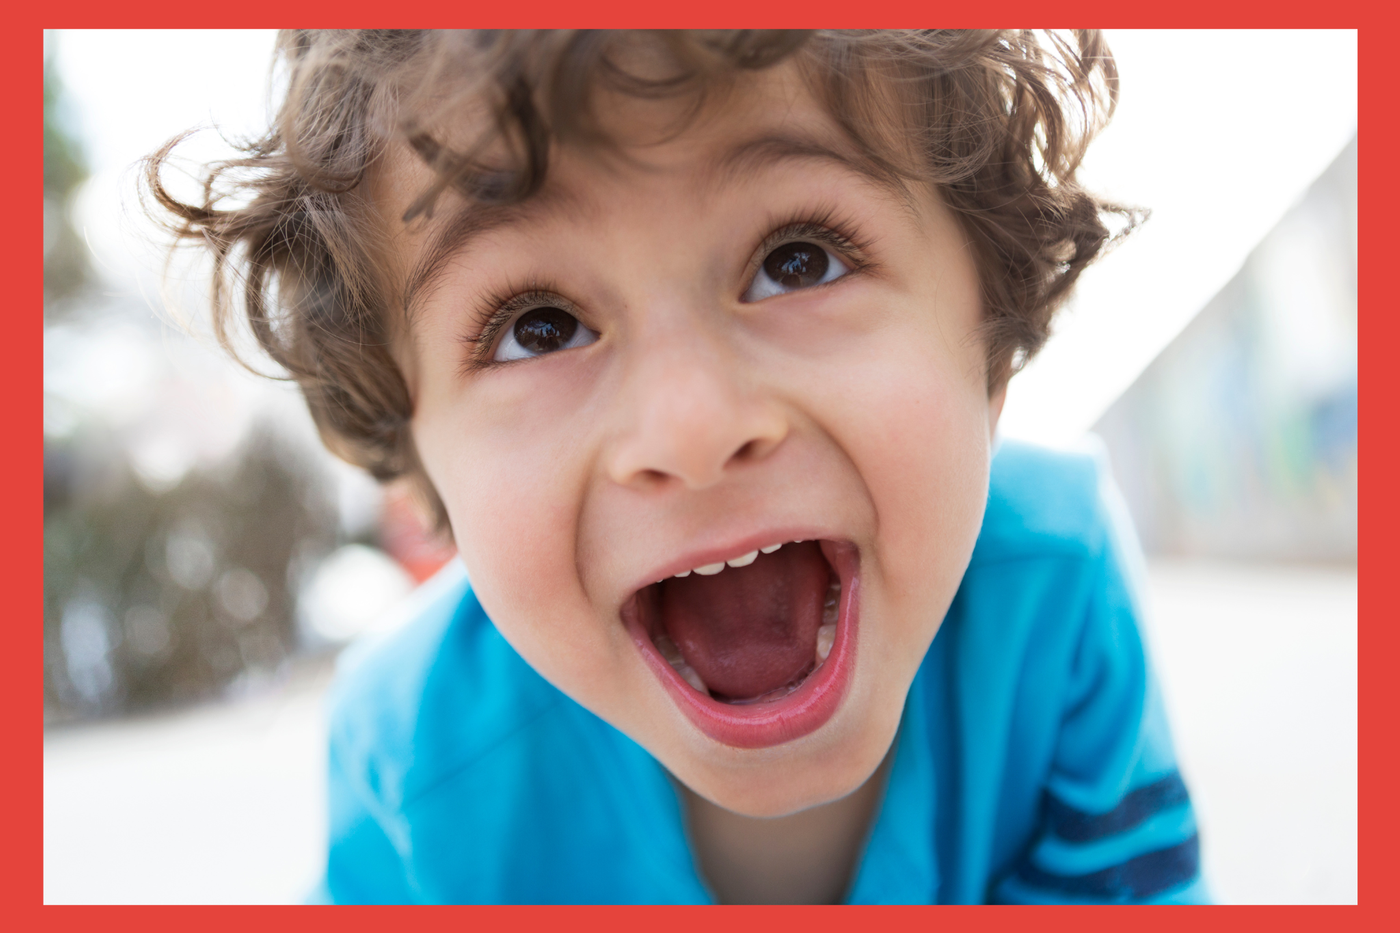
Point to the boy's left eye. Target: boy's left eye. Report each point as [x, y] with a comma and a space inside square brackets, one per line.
[792, 266]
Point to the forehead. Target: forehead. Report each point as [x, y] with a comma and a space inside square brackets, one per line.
[763, 122]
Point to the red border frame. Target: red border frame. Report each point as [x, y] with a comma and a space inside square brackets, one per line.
[21, 680]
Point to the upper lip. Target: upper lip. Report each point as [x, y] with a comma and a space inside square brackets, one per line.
[736, 547]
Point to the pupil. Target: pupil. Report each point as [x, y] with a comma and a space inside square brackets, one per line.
[796, 265]
[545, 330]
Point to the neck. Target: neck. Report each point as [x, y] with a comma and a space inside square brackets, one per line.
[805, 858]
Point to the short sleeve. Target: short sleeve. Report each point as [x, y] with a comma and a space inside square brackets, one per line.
[363, 867]
[1115, 823]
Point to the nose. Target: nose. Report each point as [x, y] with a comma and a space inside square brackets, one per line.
[692, 412]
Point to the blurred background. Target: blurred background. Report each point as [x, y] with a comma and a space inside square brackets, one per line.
[205, 560]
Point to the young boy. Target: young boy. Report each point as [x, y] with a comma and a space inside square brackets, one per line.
[697, 344]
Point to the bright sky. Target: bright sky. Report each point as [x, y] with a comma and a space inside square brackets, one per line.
[1218, 132]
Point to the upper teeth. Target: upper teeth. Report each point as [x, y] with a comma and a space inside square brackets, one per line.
[743, 560]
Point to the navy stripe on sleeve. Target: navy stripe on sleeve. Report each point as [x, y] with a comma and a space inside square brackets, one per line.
[1074, 825]
[1138, 878]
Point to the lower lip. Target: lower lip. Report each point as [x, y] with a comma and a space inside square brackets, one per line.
[806, 709]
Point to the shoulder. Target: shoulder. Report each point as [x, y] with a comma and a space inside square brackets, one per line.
[1056, 574]
[1040, 682]
[1045, 503]
[430, 697]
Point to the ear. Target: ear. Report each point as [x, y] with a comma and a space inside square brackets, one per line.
[994, 406]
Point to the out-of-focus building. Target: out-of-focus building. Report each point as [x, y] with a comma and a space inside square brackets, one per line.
[1240, 439]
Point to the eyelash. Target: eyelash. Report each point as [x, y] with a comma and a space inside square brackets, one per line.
[498, 309]
[823, 228]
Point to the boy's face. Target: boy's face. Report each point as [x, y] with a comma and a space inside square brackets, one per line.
[729, 339]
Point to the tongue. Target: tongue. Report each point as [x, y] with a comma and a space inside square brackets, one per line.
[750, 630]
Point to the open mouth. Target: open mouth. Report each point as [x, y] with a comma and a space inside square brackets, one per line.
[758, 649]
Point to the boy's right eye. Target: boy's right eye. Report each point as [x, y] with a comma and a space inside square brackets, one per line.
[539, 331]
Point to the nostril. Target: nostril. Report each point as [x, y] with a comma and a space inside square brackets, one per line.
[648, 478]
[756, 449]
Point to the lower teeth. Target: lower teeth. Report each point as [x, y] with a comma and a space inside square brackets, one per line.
[672, 654]
[826, 637]
[826, 634]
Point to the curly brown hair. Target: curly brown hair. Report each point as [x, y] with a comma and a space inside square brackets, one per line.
[998, 121]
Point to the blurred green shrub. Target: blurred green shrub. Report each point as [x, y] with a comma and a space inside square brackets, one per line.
[157, 598]
[65, 255]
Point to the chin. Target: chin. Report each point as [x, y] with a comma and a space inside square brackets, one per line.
[781, 782]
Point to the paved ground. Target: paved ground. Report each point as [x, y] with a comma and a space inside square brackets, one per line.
[1259, 669]
[225, 803]
[218, 804]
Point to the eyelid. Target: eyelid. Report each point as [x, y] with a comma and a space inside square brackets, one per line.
[820, 229]
[807, 230]
[498, 310]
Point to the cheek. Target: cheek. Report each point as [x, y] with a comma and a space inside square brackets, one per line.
[508, 484]
[934, 447]
[918, 432]
[929, 479]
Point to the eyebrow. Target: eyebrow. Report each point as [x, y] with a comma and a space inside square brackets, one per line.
[469, 222]
[765, 152]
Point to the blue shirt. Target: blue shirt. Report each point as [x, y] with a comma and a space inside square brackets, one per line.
[1032, 763]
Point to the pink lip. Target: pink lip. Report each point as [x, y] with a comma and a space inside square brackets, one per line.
[761, 725]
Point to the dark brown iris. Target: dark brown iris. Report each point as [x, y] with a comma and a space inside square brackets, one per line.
[545, 330]
[796, 265]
